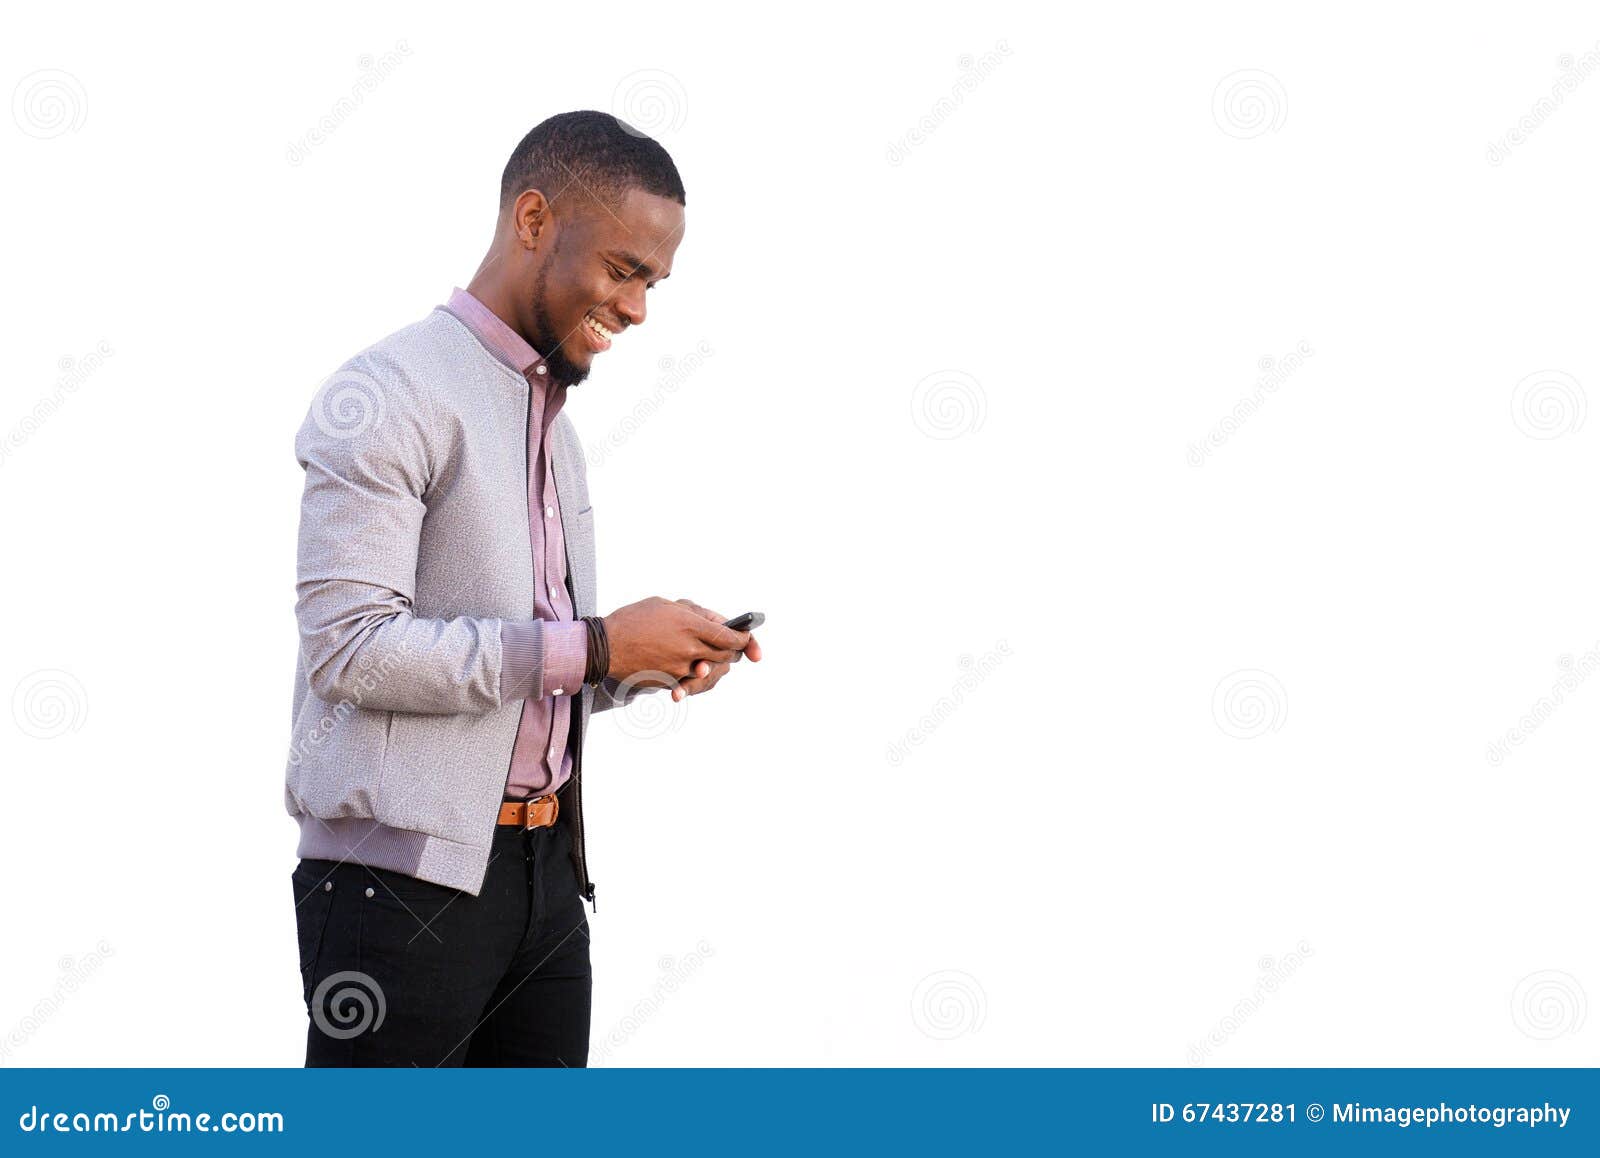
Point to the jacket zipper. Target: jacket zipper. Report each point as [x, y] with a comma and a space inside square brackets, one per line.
[585, 885]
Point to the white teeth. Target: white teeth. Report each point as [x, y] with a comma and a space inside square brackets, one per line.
[599, 329]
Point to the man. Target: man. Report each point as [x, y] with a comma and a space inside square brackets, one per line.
[450, 652]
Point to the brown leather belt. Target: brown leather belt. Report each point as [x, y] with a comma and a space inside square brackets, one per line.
[539, 812]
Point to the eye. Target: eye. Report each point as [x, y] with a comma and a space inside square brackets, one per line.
[616, 274]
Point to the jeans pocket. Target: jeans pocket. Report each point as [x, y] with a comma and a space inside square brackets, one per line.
[313, 901]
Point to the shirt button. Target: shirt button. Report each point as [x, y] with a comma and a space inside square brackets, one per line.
[549, 512]
[556, 692]
[327, 886]
[539, 369]
[552, 751]
[369, 892]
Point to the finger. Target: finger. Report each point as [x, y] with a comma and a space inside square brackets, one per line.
[687, 685]
[753, 650]
[703, 612]
[722, 638]
[652, 680]
[703, 683]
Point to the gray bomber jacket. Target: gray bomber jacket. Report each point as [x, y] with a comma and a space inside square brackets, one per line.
[413, 548]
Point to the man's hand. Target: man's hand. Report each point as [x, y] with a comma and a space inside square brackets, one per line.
[705, 675]
[656, 643]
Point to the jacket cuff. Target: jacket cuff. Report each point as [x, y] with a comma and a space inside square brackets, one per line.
[521, 658]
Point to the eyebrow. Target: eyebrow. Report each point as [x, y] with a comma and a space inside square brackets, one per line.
[637, 265]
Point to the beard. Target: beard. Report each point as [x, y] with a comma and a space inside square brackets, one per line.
[548, 342]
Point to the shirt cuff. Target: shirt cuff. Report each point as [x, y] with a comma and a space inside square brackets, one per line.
[566, 656]
[542, 657]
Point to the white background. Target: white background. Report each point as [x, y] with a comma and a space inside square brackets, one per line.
[951, 406]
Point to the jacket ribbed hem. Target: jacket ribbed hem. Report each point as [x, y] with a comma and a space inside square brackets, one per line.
[362, 841]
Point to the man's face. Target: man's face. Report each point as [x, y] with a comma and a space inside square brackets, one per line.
[592, 282]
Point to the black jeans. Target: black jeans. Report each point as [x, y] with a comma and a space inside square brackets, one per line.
[397, 971]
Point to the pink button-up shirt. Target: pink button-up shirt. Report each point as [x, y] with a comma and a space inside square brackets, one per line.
[541, 760]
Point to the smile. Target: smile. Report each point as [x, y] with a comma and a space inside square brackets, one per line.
[598, 334]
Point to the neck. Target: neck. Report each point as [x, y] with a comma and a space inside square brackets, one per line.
[488, 288]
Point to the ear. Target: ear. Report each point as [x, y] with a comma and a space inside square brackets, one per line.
[530, 213]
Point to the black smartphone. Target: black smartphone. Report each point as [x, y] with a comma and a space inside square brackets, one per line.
[749, 621]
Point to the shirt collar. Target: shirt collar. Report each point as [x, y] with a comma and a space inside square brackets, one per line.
[502, 341]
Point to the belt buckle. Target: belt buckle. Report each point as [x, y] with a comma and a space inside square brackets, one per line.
[528, 812]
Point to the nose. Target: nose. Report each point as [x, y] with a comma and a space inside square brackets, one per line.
[630, 303]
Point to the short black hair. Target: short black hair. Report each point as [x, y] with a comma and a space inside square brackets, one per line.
[588, 154]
